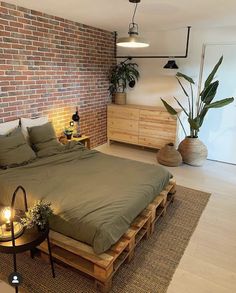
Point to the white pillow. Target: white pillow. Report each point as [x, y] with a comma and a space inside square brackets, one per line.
[27, 122]
[7, 127]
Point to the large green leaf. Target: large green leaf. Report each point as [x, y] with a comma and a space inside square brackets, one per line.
[208, 94]
[220, 103]
[185, 92]
[202, 115]
[212, 74]
[171, 110]
[182, 107]
[189, 79]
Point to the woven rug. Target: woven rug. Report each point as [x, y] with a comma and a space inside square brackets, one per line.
[150, 271]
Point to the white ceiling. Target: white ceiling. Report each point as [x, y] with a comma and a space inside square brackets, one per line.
[152, 15]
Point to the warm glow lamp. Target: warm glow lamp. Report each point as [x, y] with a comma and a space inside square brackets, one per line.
[9, 223]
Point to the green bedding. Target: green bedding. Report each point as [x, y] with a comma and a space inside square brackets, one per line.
[95, 196]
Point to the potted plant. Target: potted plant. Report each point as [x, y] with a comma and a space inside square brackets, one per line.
[38, 215]
[68, 132]
[122, 75]
[193, 151]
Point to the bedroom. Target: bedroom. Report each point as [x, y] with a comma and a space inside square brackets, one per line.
[56, 58]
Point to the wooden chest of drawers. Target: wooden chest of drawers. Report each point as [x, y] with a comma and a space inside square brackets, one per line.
[141, 125]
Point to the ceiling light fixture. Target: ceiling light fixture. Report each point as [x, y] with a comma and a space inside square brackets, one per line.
[133, 40]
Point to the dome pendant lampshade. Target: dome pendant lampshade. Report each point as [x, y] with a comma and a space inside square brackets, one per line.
[171, 65]
[133, 40]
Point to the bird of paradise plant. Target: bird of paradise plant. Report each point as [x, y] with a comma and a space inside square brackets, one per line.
[197, 112]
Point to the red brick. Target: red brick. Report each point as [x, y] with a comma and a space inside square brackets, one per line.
[50, 65]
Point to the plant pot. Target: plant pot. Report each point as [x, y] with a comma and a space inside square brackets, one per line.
[193, 151]
[120, 98]
[68, 136]
[169, 156]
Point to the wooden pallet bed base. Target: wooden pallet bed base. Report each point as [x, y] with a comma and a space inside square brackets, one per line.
[102, 267]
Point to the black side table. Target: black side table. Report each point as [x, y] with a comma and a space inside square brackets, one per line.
[29, 240]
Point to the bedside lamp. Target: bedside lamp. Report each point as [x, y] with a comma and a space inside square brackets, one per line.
[75, 118]
[7, 216]
[11, 229]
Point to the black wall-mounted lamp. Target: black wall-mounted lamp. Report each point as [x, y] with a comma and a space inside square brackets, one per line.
[76, 118]
[171, 65]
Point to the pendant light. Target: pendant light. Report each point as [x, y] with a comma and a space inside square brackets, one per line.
[133, 40]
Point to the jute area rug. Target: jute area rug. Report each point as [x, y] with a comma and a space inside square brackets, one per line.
[150, 271]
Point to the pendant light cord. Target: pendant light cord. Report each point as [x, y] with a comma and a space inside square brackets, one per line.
[135, 9]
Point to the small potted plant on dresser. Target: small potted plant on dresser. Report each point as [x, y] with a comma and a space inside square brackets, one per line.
[192, 149]
[122, 75]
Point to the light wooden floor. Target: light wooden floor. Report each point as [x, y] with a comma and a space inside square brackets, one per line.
[209, 262]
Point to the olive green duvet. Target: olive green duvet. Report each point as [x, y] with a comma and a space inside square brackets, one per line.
[95, 196]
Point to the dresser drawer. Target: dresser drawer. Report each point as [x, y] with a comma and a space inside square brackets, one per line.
[167, 131]
[157, 117]
[123, 113]
[123, 124]
[122, 136]
[154, 142]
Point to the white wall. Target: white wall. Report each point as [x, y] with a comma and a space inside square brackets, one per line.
[156, 82]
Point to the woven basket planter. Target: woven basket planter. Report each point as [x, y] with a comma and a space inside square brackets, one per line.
[193, 151]
[169, 156]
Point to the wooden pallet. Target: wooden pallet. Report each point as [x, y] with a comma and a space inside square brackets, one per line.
[102, 267]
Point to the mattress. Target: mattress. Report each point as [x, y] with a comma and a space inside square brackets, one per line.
[95, 196]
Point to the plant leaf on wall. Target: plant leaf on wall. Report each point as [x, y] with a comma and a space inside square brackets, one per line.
[220, 103]
[212, 74]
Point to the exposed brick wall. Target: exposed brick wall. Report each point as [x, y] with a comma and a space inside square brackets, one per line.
[50, 65]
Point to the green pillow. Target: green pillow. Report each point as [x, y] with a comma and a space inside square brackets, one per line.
[44, 140]
[14, 150]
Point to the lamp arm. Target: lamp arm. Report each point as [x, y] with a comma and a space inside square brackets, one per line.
[14, 197]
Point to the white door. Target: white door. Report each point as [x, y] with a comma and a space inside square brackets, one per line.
[219, 129]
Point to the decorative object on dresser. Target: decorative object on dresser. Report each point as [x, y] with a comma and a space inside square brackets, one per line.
[169, 156]
[122, 75]
[193, 151]
[141, 125]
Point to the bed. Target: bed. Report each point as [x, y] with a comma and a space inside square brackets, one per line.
[96, 200]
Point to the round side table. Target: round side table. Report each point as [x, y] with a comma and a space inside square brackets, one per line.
[29, 240]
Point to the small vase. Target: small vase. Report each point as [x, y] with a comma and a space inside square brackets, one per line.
[68, 136]
[193, 151]
[169, 156]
